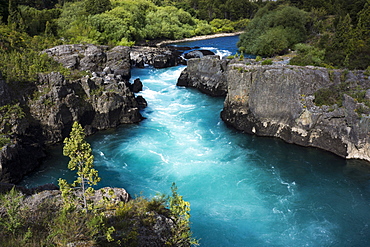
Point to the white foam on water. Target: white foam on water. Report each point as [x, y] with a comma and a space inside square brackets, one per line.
[219, 52]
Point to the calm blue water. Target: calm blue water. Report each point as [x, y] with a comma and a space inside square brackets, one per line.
[244, 190]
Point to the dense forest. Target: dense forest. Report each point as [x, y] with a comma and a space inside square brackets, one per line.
[324, 33]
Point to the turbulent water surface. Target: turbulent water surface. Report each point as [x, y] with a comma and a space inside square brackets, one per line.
[244, 190]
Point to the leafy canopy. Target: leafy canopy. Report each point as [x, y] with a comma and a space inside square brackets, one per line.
[274, 31]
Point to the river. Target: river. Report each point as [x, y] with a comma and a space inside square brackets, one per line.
[244, 190]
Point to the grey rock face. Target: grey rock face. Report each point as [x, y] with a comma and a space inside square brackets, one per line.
[278, 101]
[53, 103]
[92, 58]
[137, 86]
[156, 57]
[208, 74]
[94, 104]
[198, 54]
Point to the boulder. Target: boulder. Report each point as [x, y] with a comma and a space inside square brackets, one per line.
[137, 86]
[141, 102]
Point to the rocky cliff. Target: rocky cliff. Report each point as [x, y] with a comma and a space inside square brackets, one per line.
[208, 74]
[40, 113]
[279, 101]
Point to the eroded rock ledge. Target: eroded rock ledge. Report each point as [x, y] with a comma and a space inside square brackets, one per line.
[278, 101]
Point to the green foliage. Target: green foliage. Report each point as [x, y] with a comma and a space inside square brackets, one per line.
[367, 71]
[347, 45]
[81, 159]
[20, 57]
[202, 28]
[35, 21]
[74, 226]
[12, 220]
[94, 7]
[4, 140]
[267, 62]
[334, 94]
[180, 210]
[9, 115]
[308, 55]
[273, 32]
[170, 23]
[222, 25]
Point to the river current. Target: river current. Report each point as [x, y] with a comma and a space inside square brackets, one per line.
[244, 190]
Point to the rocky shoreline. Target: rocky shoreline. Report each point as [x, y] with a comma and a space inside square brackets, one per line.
[102, 99]
[279, 101]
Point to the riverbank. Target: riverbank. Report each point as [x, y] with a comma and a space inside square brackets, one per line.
[203, 37]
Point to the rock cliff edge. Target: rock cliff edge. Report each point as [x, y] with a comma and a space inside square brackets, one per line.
[279, 101]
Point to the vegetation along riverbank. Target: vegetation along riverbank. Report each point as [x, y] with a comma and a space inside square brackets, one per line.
[69, 61]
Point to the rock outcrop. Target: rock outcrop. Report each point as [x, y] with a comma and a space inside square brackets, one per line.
[279, 101]
[198, 54]
[93, 58]
[208, 74]
[156, 57]
[97, 103]
[153, 228]
[93, 102]
[103, 99]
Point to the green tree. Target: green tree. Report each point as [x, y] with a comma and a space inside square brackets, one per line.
[180, 210]
[13, 13]
[338, 53]
[94, 7]
[12, 220]
[81, 159]
[274, 30]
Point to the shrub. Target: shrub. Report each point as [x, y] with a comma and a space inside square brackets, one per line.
[308, 55]
[4, 140]
[267, 62]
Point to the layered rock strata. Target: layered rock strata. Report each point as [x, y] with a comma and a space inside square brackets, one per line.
[279, 101]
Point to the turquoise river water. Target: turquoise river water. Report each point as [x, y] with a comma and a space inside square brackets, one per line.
[244, 190]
